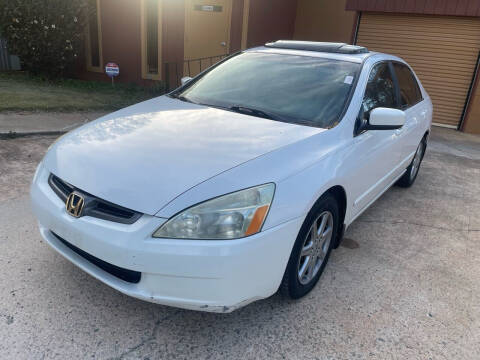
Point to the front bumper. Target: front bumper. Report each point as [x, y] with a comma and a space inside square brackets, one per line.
[208, 275]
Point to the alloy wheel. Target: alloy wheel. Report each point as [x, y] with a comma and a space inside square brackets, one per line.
[315, 247]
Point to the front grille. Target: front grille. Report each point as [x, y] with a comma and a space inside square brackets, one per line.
[121, 273]
[61, 188]
[94, 206]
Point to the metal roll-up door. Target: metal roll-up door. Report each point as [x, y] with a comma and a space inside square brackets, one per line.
[443, 51]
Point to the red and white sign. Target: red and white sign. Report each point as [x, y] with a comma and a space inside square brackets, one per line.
[112, 69]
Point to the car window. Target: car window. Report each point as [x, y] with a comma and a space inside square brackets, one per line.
[380, 90]
[299, 89]
[409, 90]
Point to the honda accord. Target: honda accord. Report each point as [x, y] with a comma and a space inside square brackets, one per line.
[240, 182]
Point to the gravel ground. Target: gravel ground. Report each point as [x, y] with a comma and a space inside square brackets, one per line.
[404, 285]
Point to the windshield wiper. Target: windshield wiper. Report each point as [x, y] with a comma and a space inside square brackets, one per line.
[182, 98]
[255, 112]
[237, 108]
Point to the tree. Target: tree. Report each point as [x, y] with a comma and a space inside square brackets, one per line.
[47, 35]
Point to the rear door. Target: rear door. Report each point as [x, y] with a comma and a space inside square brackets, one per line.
[411, 102]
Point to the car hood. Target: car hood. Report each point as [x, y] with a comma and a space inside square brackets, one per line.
[144, 156]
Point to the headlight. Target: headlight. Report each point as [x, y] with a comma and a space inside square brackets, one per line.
[230, 216]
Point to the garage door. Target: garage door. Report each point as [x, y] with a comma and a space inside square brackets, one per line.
[442, 50]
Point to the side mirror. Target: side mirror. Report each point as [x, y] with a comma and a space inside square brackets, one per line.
[185, 80]
[386, 119]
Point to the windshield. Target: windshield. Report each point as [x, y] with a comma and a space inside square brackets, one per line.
[297, 89]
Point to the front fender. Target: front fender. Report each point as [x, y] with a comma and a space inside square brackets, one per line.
[301, 171]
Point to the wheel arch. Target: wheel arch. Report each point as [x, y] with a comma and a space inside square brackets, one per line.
[341, 196]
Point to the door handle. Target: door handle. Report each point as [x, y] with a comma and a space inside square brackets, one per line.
[223, 43]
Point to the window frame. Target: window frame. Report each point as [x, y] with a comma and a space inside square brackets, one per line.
[358, 127]
[394, 79]
[145, 74]
[406, 107]
[246, 13]
[88, 45]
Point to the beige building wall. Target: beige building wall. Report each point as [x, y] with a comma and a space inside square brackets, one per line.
[324, 20]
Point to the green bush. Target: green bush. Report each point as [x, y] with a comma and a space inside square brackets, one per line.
[47, 35]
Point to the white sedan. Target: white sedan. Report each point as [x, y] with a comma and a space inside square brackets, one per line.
[240, 182]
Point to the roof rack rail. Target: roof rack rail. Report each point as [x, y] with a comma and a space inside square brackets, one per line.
[329, 47]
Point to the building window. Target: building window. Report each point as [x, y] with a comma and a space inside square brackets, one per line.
[151, 39]
[94, 37]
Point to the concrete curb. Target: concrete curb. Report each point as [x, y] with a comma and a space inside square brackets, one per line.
[14, 135]
[14, 125]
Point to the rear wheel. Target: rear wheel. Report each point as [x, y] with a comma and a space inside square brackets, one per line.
[312, 248]
[410, 175]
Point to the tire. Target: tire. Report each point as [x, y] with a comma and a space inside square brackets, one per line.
[295, 285]
[410, 175]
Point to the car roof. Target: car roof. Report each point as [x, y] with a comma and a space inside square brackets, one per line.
[336, 51]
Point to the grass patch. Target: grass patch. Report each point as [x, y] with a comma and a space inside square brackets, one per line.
[21, 92]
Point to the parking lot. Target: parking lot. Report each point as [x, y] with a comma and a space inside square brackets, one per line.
[404, 285]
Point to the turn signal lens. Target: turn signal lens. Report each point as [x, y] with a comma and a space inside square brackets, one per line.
[257, 220]
[230, 216]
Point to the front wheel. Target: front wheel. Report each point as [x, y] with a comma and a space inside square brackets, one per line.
[312, 248]
[410, 175]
